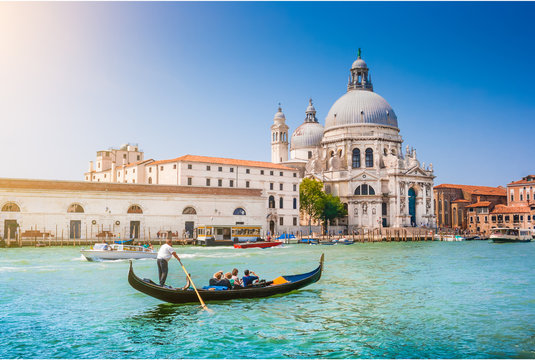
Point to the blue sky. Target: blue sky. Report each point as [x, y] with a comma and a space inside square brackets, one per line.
[205, 78]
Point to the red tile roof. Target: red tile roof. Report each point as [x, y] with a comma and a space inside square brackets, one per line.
[88, 186]
[225, 161]
[530, 179]
[460, 201]
[504, 209]
[475, 190]
[479, 204]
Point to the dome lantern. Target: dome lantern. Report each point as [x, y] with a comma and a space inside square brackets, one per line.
[359, 79]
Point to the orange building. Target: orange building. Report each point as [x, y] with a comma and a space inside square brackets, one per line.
[452, 202]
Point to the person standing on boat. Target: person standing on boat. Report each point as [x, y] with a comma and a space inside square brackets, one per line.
[164, 255]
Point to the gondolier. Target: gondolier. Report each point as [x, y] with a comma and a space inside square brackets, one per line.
[164, 255]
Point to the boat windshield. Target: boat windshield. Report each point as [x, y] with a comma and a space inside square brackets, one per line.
[100, 247]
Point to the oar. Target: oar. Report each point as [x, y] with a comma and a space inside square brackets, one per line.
[194, 288]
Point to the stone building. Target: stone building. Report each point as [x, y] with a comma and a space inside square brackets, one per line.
[279, 183]
[359, 157]
[81, 210]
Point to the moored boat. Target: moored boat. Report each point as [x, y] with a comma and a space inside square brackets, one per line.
[280, 285]
[104, 251]
[506, 235]
[257, 244]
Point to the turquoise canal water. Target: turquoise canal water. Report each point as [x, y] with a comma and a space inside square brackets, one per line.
[375, 300]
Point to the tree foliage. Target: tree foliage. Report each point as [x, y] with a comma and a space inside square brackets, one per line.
[331, 208]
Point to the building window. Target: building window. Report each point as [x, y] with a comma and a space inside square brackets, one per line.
[521, 197]
[281, 203]
[11, 207]
[150, 180]
[471, 219]
[270, 186]
[189, 167]
[239, 211]
[521, 217]
[261, 172]
[356, 158]
[295, 174]
[527, 196]
[295, 221]
[161, 168]
[271, 202]
[310, 154]
[124, 156]
[515, 218]
[512, 197]
[247, 184]
[220, 168]
[150, 169]
[134, 171]
[190, 181]
[364, 190]
[208, 167]
[271, 173]
[281, 220]
[231, 169]
[135, 209]
[105, 176]
[280, 186]
[138, 157]
[369, 157]
[75, 208]
[295, 187]
[174, 166]
[506, 218]
[207, 182]
[295, 203]
[219, 182]
[247, 171]
[281, 173]
[126, 172]
[189, 211]
[134, 181]
[493, 218]
[231, 183]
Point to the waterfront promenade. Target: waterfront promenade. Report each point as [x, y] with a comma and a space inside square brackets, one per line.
[374, 300]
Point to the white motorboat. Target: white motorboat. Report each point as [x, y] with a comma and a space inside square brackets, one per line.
[104, 251]
[448, 237]
[505, 235]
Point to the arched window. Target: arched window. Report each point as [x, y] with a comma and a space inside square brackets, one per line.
[295, 203]
[150, 180]
[189, 211]
[135, 209]
[281, 202]
[271, 202]
[340, 153]
[11, 206]
[364, 190]
[75, 208]
[356, 158]
[239, 211]
[369, 157]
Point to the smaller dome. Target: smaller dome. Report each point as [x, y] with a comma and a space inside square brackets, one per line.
[308, 134]
[359, 64]
[310, 107]
[279, 115]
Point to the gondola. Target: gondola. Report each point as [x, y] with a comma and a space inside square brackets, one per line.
[281, 285]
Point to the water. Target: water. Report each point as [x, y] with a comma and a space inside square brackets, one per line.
[374, 300]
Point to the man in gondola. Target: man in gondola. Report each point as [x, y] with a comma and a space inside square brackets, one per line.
[164, 255]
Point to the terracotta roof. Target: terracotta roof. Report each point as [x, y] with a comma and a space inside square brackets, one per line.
[504, 209]
[28, 184]
[530, 179]
[476, 190]
[137, 163]
[460, 201]
[479, 204]
[225, 161]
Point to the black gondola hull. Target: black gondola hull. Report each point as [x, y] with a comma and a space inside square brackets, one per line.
[178, 296]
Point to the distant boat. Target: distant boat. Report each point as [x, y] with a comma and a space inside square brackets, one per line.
[104, 251]
[258, 244]
[448, 237]
[506, 235]
[309, 241]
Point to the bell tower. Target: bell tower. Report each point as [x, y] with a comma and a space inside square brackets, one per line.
[279, 138]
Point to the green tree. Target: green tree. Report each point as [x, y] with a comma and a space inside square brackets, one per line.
[310, 198]
[330, 208]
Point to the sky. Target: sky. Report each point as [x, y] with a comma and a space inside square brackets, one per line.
[205, 78]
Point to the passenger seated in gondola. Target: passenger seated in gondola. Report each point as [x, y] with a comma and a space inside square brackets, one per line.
[228, 276]
[237, 280]
[218, 281]
[249, 279]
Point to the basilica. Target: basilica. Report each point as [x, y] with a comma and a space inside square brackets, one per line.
[358, 155]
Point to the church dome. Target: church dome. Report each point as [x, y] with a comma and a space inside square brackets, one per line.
[308, 134]
[361, 107]
[359, 63]
[279, 115]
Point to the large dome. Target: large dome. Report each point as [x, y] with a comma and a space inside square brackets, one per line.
[361, 107]
[308, 134]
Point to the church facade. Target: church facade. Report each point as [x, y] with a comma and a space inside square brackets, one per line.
[359, 156]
